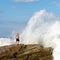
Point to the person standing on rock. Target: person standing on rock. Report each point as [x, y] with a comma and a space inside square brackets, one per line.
[17, 38]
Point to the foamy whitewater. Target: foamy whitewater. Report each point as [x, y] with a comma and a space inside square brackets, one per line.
[43, 28]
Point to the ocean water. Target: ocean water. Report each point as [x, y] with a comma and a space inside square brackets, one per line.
[42, 28]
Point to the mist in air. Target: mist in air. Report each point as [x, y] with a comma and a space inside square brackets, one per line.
[42, 28]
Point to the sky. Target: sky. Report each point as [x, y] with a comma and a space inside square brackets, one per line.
[15, 14]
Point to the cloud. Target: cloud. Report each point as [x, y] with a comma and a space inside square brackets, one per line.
[25, 0]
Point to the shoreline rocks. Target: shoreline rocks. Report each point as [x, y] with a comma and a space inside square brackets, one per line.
[26, 52]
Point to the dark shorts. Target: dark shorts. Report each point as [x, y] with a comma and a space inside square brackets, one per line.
[17, 39]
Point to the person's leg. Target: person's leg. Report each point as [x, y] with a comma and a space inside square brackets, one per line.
[17, 41]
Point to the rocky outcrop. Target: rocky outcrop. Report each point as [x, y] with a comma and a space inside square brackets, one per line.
[25, 52]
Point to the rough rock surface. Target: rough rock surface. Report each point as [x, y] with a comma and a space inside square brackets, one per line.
[25, 52]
